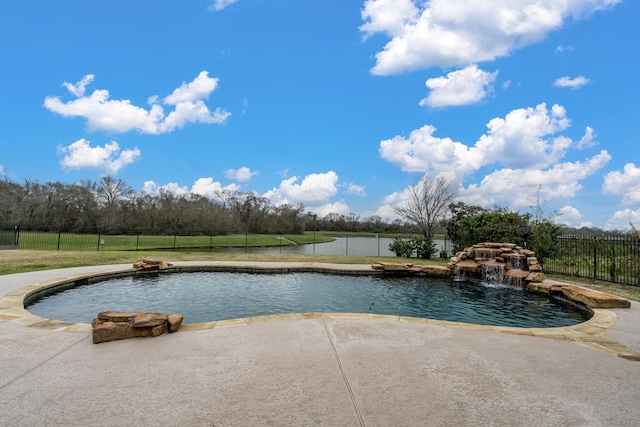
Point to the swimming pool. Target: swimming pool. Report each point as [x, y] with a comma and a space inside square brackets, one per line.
[207, 296]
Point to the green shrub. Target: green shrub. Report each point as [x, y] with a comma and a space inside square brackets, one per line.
[402, 248]
[424, 247]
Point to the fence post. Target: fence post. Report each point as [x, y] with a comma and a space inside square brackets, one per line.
[98, 242]
[59, 232]
[347, 243]
[137, 240]
[595, 258]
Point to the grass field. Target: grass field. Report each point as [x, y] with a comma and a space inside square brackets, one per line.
[39, 240]
[18, 261]
[53, 240]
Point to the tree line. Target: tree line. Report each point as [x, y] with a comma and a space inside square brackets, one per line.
[111, 205]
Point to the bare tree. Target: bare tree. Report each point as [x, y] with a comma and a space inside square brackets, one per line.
[250, 210]
[428, 204]
[109, 192]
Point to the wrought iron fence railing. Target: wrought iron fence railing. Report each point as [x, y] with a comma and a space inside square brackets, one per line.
[311, 243]
[609, 258]
[9, 237]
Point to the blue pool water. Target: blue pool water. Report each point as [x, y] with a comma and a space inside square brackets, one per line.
[211, 296]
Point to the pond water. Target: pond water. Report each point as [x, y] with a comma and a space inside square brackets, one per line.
[361, 246]
[211, 296]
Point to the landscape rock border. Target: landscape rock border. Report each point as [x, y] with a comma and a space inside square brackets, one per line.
[151, 264]
[120, 325]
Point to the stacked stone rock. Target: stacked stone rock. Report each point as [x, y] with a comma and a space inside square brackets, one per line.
[118, 325]
[151, 264]
[520, 265]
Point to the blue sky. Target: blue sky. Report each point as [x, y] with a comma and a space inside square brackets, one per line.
[338, 105]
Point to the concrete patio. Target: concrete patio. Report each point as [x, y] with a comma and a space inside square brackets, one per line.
[325, 370]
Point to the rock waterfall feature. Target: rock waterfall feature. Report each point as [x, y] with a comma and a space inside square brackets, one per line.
[505, 263]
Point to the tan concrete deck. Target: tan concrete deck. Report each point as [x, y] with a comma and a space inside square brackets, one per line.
[322, 369]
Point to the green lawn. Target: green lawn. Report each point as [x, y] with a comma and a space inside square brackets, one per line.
[40, 240]
[19, 261]
[99, 242]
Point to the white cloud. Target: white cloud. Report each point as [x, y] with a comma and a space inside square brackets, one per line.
[313, 189]
[397, 197]
[199, 88]
[386, 212]
[209, 188]
[625, 183]
[191, 112]
[314, 192]
[450, 33]
[339, 207]
[81, 155]
[572, 83]
[524, 138]
[357, 190]
[394, 199]
[462, 87]
[206, 187]
[588, 140]
[622, 220]
[105, 114]
[516, 188]
[423, 152]
[78, 88]
[221, 4]
[151, 187]
[571, 217]
[243, 174]
[561, 49]
[387, 16]
[525, 149]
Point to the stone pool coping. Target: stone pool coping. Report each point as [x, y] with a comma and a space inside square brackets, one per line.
[592, 333]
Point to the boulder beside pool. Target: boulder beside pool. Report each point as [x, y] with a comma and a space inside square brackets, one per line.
[151, 264]
[120, 325]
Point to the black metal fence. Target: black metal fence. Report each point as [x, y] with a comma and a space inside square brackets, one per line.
[610, 258]
[312, 243]
[9, 237]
